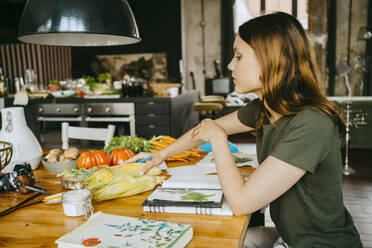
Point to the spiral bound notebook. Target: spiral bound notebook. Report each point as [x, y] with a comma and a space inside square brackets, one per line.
[105, 230]
[187, 201]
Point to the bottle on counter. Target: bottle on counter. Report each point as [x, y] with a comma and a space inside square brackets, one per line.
[2, 82]
[132, 87]
[125, 88]
[9, 85]
[17, 84]
[139, 87]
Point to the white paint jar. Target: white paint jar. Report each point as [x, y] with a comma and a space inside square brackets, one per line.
[77, 203]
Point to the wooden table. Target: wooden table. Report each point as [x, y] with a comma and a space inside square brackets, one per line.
[41, 224]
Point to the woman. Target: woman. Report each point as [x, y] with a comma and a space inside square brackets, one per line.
[297, 133]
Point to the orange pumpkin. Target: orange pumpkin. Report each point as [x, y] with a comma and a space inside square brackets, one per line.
[90, 159]
[119, 156]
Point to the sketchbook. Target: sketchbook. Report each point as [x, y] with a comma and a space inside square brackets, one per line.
[187, 201]
[105, 230]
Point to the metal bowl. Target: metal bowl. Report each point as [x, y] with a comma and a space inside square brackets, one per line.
[6, 153]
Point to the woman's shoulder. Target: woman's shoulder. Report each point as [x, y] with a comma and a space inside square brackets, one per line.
[313, 117]
[248, 114]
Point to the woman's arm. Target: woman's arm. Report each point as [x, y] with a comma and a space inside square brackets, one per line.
[181, 144]
[270, 180]
[230, 123]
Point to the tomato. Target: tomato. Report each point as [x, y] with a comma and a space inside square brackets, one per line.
[90, 159]
[119, 156]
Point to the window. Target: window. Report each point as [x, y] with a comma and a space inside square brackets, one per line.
[248, 9]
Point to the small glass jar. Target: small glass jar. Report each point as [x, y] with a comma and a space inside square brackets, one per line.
[77, 203]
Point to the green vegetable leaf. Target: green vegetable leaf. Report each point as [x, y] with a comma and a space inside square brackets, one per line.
[133, 143]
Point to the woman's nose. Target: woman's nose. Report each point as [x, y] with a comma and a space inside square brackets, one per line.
[230, 66]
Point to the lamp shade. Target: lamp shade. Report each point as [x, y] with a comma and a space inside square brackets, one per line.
[78, 23]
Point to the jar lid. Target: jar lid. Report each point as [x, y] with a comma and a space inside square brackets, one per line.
[76, 195]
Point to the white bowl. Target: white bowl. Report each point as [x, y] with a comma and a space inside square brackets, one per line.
[63, 93]
[57, 167]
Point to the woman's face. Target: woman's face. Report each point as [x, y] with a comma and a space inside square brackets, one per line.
[245, 68]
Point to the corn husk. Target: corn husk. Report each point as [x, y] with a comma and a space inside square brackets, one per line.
[135, 169]
[121, 181]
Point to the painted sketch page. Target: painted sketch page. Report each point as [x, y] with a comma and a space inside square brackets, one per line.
[104, 230]
[186, 195]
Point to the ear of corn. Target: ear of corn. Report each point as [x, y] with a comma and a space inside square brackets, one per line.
[135, 169]
[124, 181]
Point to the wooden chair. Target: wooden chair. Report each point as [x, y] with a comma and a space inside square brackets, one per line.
[86, 133]
[208, 106]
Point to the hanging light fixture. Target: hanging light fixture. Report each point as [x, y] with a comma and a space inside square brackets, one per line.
[78, 23]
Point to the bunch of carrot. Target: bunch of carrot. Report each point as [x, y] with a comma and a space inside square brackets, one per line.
[162, 142]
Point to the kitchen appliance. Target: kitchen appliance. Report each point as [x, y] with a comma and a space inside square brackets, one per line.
[111, 113]
[26, 147]
[50, 117]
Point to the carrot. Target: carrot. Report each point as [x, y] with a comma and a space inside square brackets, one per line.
[194, 154]
[184, 153]
[168, 138]
[170, 159]
[159, 144]
[179, 156]
[166, 142]
[196, 150]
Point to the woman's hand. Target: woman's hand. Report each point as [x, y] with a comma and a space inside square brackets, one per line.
[157, 158]
[207, 130]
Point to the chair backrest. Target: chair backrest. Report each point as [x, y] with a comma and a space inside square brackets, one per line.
[86, 133]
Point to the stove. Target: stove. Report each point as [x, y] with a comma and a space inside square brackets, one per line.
[51, 115]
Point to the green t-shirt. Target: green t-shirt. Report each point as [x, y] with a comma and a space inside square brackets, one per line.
[311, 213]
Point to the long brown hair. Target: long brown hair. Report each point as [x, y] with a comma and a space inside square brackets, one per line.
[289, 72]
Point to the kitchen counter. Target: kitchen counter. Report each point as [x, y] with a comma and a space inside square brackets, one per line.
[50, 99]
[153, 115]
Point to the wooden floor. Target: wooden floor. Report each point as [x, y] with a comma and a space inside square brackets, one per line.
[358, 193]
[357, 189]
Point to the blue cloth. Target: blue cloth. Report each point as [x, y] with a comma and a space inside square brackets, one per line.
[207, 147]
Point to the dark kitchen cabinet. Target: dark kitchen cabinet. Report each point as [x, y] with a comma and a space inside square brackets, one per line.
[169, 116]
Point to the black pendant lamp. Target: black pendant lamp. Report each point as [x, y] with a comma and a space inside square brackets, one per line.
[78, 23]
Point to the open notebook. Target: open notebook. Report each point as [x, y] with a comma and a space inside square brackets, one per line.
[105, 230]
[188, 194]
